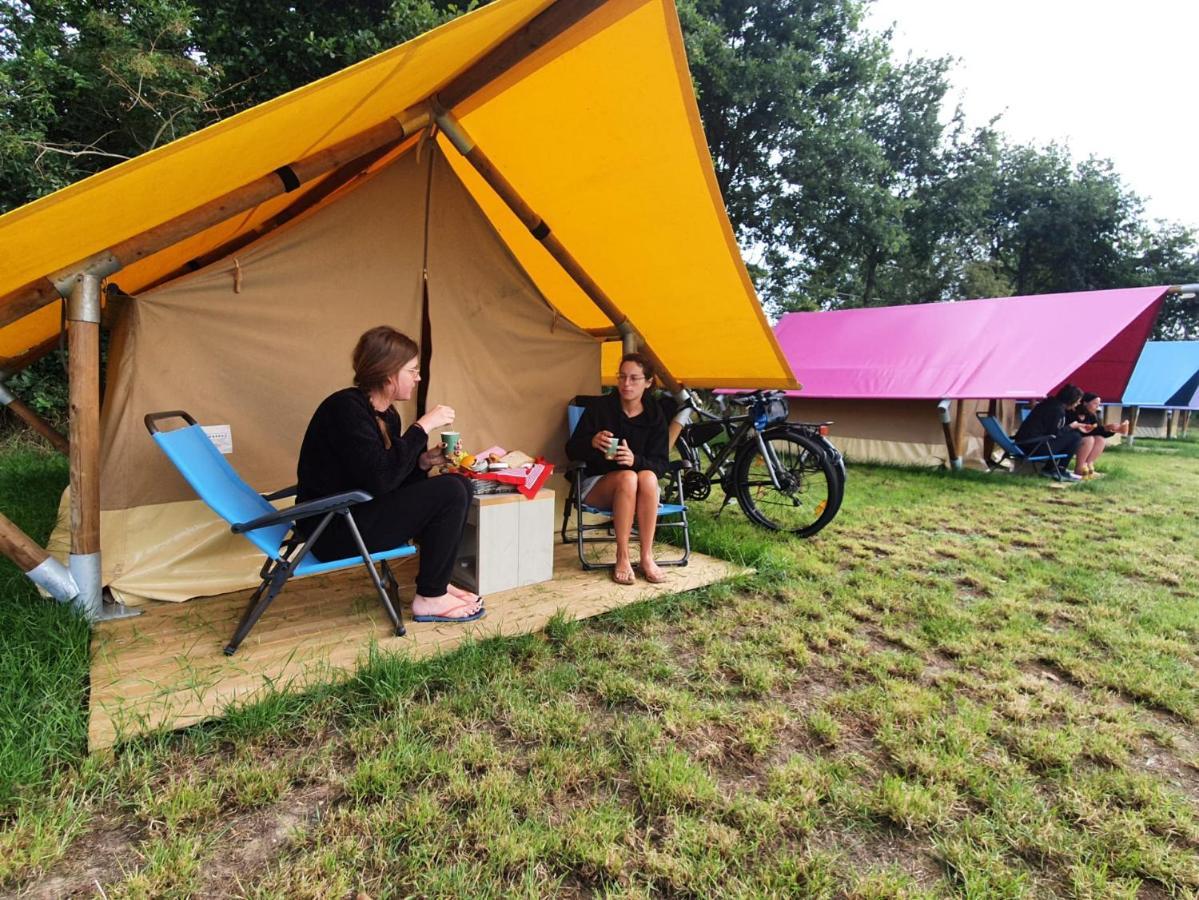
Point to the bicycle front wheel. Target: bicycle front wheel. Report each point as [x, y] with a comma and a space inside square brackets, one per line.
[805, 492]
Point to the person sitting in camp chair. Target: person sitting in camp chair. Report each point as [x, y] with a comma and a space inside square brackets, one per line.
[1087, 412]
[355, 442]
[622, 438]
[1054, 417]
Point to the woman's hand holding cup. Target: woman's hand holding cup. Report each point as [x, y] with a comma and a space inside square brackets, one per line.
[624, 456]
[601, 441]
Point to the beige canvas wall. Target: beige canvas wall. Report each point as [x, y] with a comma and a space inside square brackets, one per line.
[258, 342]
[1152, 423]
[906, 432]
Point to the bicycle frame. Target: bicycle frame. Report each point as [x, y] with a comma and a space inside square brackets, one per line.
[716, 470]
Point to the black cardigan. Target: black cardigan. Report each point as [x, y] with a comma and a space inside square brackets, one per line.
[1047, 417]
[343, 449]
[646, 435]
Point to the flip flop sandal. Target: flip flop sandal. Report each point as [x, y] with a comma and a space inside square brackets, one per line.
[654, 579]
[477, 614]
[625, 578]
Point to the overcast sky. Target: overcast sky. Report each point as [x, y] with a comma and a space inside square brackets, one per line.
[1113, 79]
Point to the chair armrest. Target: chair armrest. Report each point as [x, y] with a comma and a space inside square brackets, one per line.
[318, 507]
[679, 465]
[282, 493]
[573, 465]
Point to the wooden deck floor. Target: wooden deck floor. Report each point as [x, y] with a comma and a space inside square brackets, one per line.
[165, 667]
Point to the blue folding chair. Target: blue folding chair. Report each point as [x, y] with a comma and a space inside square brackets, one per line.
[1038, 449]
[670, 515]
[271, 530]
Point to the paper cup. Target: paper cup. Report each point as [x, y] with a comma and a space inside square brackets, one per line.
[450, 439]
[613, 446]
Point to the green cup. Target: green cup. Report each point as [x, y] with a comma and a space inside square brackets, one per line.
[613, 446]
[450, 439]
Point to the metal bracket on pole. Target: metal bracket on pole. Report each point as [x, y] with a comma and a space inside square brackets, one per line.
[53, 577]
[99, 267]
[6, 396]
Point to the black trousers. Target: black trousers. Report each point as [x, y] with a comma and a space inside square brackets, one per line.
[431, 512]
[1066, 442]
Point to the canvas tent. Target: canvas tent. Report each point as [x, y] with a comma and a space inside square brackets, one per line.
[565, 198]
[882, 374]
[1164, 387]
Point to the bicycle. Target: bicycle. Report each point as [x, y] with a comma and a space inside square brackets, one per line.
[785, 476]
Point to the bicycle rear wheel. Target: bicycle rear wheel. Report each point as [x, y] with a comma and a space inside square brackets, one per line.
[809, 490]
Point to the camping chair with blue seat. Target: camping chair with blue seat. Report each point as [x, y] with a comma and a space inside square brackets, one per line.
[670, 515]
[1033, 450]
[271, 530]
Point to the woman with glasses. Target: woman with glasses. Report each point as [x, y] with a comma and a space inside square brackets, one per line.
[355, 441]
[622, 438]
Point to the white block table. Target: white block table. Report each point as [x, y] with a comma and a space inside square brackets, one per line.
[508, 542]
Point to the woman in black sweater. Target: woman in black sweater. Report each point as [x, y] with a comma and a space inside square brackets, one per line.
[355, 441]
[625, 480]
[1054, 416]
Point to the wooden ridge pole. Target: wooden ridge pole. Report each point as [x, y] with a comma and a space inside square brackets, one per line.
[541, 231]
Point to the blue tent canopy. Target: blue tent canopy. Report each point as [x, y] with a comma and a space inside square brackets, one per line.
[1167, 375]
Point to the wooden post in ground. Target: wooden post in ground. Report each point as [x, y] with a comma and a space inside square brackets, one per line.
[959, 431]
[32, 419]
[1186, 423]
[83, 366]
[946, 426]
[39, 566]
[1170, 414]
[1132, 424]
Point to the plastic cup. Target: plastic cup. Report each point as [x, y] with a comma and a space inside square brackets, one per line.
[613, 446]
[450, 439]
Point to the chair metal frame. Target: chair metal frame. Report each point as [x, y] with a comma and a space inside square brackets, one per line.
[1017, 454]
[575, 472]
[273, 531]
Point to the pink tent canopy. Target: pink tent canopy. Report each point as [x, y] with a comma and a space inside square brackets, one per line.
[1018, 347]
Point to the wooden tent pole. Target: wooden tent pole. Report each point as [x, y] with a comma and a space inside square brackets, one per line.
[33, 296]
[39, 566]
[1169, 423]
[959, 433]
[1132, 425]
[83, 362]
[541, 231]
[943, 409]
[32, 419]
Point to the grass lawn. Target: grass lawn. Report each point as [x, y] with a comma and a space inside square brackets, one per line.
[968, 685]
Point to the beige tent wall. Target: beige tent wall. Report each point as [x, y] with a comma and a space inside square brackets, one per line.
[258, 341]
[502, 357]
[1151, 423]
[904, 432]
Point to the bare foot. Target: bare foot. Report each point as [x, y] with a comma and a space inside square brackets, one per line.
[652, 571]
[446, 605]
[463, 595]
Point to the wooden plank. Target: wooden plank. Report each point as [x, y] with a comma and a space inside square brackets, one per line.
[165, 668]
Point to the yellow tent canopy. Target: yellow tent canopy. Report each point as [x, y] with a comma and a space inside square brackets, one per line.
[597, 129]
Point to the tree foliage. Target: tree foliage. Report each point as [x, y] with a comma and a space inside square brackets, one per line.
[847, 179]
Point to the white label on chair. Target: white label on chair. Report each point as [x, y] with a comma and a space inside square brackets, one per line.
[221, 437]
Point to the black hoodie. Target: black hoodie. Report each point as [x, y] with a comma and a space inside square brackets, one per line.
[646, 435]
